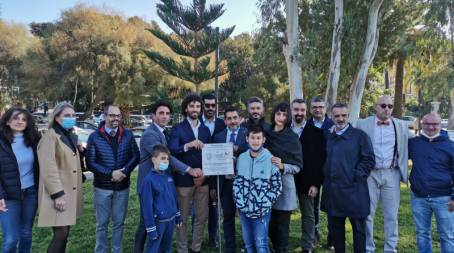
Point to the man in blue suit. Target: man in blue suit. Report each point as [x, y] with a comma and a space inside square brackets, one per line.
[236, 135]
[186, 142]
[156, 134]
[215, 125]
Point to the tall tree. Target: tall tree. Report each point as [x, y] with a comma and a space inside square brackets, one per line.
[193, 38]
[370, 48]
[291, 50]
[335, 62]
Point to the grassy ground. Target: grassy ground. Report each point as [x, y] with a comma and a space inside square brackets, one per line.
[82, 236]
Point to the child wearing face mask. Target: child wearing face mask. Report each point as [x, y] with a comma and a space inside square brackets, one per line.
[158, 201]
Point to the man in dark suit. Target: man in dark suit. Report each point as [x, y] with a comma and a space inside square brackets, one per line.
[349, 160]
[186, 142]
[308, 181]
[215, 125]
[256, 109]
[156, 134]
[320, 120]
[236, 135]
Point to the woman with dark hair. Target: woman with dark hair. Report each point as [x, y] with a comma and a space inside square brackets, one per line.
[284, 144]
[60, 182]
[19, 175]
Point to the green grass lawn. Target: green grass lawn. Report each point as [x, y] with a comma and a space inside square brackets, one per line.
[82, 236]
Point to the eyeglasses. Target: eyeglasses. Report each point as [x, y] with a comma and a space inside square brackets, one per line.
[114, 115]
[210, 105]
[383, 106]
[431, 124]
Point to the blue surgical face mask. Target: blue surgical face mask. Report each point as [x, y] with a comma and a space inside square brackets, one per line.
[163, 166]
[255, 150]
[68, 122]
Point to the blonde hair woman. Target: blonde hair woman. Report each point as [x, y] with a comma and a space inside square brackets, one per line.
[60, 183]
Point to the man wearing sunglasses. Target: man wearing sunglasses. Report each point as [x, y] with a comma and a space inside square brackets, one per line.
[390, 141]
[216, 125]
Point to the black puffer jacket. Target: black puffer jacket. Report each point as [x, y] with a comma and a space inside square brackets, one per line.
[10, 185]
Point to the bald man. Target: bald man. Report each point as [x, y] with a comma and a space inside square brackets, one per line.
[389, 138]
[432, 187]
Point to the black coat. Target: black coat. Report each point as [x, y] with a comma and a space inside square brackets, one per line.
[10, 185]
[349, 160]
[314, 155]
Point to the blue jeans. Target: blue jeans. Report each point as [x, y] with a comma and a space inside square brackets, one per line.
[17, 222]
[255, 233]
[163, 244]
[422, 209]
[110, 204]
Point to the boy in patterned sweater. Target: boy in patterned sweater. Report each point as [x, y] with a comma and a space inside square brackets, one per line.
[158, 201]
[255, 189]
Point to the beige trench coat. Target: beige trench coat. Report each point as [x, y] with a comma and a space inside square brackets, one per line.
[59, 171]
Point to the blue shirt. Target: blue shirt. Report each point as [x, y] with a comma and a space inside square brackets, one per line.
[108, 130]
[25, 160]
[229, 132]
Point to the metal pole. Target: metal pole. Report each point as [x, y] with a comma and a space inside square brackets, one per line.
[219, 215]
[216, 70]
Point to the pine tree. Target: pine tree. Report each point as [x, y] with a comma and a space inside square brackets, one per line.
[192, 37]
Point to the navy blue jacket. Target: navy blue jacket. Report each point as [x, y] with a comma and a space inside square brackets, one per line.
[219, 125]
[180, 135]
[240, 141]
[102, 161]
[327, 123]
[433, 166]
[158, 201]
[10, 185]
[349, 160]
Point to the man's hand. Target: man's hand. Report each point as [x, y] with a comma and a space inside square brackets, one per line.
[195, 172]
[118, 175]
[198, 181]
[197, 144]
[3, 205]
[213, 194]
[235, 148]
[179, 225]
[60, 203]
[277, 162]
[451, 205]
[312, 191]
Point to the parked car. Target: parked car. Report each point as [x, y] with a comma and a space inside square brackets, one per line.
[90, 127]
[39, 119]
[444, 123]
[138, 120]
[411, 121]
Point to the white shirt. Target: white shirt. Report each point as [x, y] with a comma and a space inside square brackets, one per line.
[159, 128]
[195, 131]
[340, 132]
[209, 123]
[317, 123]
[383, 142]
[298, 130]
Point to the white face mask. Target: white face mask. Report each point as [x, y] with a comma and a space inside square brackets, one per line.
[429, 137]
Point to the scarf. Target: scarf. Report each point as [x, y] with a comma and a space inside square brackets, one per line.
[285, 144]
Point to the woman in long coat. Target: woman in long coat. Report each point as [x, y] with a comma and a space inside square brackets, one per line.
[60, 183]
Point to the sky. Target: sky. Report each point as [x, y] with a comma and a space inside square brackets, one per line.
[241, 13]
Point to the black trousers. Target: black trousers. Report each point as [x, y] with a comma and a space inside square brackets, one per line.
[141, 236]
[279, 230]
[337, 225]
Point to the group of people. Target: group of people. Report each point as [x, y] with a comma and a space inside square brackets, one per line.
[292, 162]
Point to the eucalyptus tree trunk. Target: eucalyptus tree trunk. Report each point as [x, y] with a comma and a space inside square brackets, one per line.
[334, 67]
[370, 48]
[399, 88]
[451, 31]
[291, 50]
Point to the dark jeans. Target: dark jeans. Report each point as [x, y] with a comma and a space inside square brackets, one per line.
[337, 225]
[163, 244]
[228, 210]
[17, 222]
[279, 230]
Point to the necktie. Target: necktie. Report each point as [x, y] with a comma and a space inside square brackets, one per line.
[166, 134]
[112, 133]
[383, 123]
[232, 137]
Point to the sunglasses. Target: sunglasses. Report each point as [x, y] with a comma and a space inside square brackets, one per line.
[210, 105]
[383, 106]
